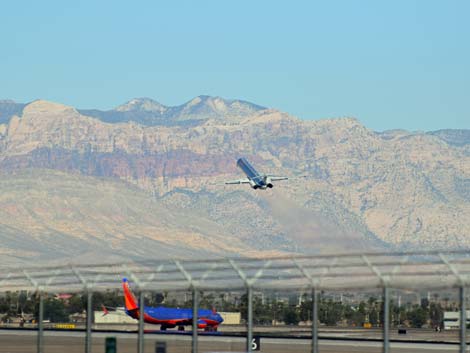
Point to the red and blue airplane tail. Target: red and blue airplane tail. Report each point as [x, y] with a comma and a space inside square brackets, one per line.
[129, 299]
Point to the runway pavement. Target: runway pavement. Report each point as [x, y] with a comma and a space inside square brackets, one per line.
[21, 341]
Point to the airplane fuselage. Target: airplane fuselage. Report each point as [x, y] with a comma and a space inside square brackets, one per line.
[257, 180]
[170, 317]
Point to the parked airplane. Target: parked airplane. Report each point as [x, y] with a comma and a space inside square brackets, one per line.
[255, 179]
[208, 320]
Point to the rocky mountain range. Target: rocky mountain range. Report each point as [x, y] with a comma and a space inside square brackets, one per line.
[144, 179]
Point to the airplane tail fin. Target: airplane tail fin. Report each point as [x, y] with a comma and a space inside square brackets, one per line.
[129, 299]
[105, 310]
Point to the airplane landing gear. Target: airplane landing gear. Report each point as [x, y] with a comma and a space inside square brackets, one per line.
[210, 329]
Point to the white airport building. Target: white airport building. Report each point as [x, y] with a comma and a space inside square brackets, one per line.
[452, 319]
[114, 317]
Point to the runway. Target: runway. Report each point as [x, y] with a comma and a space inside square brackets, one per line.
[21, 341]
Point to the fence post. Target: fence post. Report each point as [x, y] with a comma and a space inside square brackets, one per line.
[195, 319]
[40, 341]
[140, 337]
[463, 320]
[314, 321]
[89, 315]
[249, 321]
[386, 319]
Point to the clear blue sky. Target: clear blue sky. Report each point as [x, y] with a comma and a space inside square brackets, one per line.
[391, 64]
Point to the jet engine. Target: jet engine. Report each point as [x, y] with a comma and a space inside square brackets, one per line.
[201, 324]
[268, 182]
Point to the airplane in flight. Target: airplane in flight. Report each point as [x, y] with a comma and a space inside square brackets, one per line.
[208, 320]
[255, 179]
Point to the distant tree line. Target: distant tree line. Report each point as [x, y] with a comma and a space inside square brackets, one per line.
[267, 310]
[17, 304]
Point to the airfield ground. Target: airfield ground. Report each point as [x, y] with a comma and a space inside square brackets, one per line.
[24, 341]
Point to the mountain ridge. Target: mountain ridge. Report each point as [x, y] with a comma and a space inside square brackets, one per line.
[364, 189]
[152, 113]
[10, 108]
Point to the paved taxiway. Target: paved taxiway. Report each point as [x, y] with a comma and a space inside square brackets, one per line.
[16, 341]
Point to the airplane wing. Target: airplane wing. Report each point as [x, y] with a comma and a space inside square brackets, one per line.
[238, 181]
[277, 178]
[179, 321]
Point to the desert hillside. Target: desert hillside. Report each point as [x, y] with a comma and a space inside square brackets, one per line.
[151, 172]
